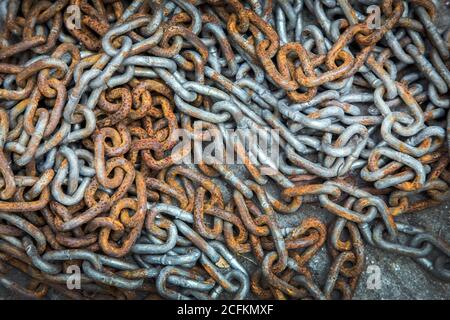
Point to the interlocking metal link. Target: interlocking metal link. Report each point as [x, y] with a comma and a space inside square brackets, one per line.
[118, 120]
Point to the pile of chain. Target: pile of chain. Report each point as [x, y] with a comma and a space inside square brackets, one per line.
[92, 180]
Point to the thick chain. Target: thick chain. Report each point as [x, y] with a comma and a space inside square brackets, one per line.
[105, 106]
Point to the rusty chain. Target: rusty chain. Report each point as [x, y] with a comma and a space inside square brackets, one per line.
[93, 175]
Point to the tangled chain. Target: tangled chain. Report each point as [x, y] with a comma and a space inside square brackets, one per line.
[92, 93]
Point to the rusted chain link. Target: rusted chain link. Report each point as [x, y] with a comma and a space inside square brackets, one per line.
[150, 148]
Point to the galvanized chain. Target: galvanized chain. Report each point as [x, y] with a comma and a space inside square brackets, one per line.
[95, 177]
